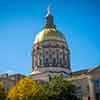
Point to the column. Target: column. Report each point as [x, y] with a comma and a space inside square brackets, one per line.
[91, 88]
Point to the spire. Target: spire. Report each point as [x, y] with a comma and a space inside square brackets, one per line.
[49, 10]
[49, 19]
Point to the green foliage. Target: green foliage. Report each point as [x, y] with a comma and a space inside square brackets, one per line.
[60, 89]
[2, 92]
[57, 89]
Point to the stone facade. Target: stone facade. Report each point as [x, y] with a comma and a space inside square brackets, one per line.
[8, 83]
[10, 80]
[87, 83]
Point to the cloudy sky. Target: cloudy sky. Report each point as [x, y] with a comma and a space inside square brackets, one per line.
[21, 20]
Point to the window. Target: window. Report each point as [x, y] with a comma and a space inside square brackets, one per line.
[61, 53]
[46, 52]
[54, 61]
[46, 61]
[97, 83]
[60, 60]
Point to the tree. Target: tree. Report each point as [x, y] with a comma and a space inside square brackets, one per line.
[26, 89]
[2, 92]
[60, 89]
[57, 89]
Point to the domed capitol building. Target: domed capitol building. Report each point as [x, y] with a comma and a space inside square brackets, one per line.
[50, 57]
[50, 53]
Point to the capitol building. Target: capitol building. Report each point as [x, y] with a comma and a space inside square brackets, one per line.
[50, 52]
[50, 57]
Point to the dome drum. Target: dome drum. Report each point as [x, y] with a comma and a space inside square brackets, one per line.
[51, 53]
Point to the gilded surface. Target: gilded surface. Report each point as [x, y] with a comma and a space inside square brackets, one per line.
[49, 34]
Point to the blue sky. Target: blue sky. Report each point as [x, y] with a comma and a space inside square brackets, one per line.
[21, 20]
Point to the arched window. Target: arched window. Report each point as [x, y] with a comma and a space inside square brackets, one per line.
[54, 61]
[50, 59]
[43, 59]
[46, 61]
[61, 61]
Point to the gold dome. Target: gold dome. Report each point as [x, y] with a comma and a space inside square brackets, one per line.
[49, 34]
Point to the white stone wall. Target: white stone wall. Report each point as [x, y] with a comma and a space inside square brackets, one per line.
[46, 73]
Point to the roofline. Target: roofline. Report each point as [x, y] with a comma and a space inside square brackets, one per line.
[86, 71]
[16, 74]
[93, 69]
